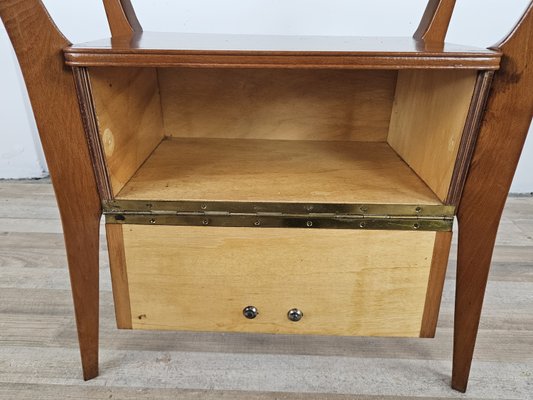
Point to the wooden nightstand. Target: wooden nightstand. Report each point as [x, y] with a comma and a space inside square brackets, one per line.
[302, 185]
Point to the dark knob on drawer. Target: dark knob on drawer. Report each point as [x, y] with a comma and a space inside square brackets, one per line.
[250, 312]
[295, 315]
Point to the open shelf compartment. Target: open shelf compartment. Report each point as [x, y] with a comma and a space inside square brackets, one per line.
[387, 138]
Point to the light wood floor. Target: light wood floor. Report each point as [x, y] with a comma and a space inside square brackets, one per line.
[39, 353]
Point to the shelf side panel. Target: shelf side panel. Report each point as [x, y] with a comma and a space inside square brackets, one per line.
[128, 111]
[428, 118]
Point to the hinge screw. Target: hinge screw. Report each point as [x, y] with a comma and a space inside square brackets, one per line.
[416, 226]
[203, 206]
[309, 223]
[205, 222]
[152, 221]
[418, 209]
[363, 209]
[257, 223]
[362, 224]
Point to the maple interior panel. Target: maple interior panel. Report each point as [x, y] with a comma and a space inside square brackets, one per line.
[128, 114]
[379, 278]
[428, 120]
[295, 104]
[276, 171]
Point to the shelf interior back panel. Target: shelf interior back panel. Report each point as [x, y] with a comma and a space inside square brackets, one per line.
[256, 170]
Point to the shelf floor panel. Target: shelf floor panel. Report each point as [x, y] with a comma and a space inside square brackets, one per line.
[208, 169]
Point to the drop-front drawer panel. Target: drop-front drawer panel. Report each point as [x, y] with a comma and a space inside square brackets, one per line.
[345, 282]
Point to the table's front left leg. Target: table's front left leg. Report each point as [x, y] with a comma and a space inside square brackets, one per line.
[39, 47]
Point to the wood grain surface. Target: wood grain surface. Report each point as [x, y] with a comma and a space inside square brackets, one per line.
[346, 282]
[469, 136]
[276, 170]
[277, 104]
[121, 18]
[426, 127]
[501, 138]
[130, 125]
[119, 275]
[270, 51]
[38, 45]
[435, 21]
[90, 123]
[439, 263]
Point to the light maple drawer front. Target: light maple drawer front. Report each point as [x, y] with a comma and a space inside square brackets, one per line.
[346, 282]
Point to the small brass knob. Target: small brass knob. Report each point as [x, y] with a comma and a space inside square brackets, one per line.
[295, 315]
[250, 312]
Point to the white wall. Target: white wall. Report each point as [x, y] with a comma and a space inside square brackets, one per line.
[476, 22]
[20, 153]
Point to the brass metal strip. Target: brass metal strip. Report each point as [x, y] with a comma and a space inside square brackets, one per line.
[309, 221]
[377, 210]
[281, 215]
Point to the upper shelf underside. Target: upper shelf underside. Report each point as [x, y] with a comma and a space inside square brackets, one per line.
[204, 50]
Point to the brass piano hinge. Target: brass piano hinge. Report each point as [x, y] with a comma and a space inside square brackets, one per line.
[281, 215]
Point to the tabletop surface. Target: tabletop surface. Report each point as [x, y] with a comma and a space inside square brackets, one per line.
[171, 47]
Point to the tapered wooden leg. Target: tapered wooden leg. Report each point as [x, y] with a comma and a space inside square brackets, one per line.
[82, 243]
[39, 48]
[501, 138]
[476, 242]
